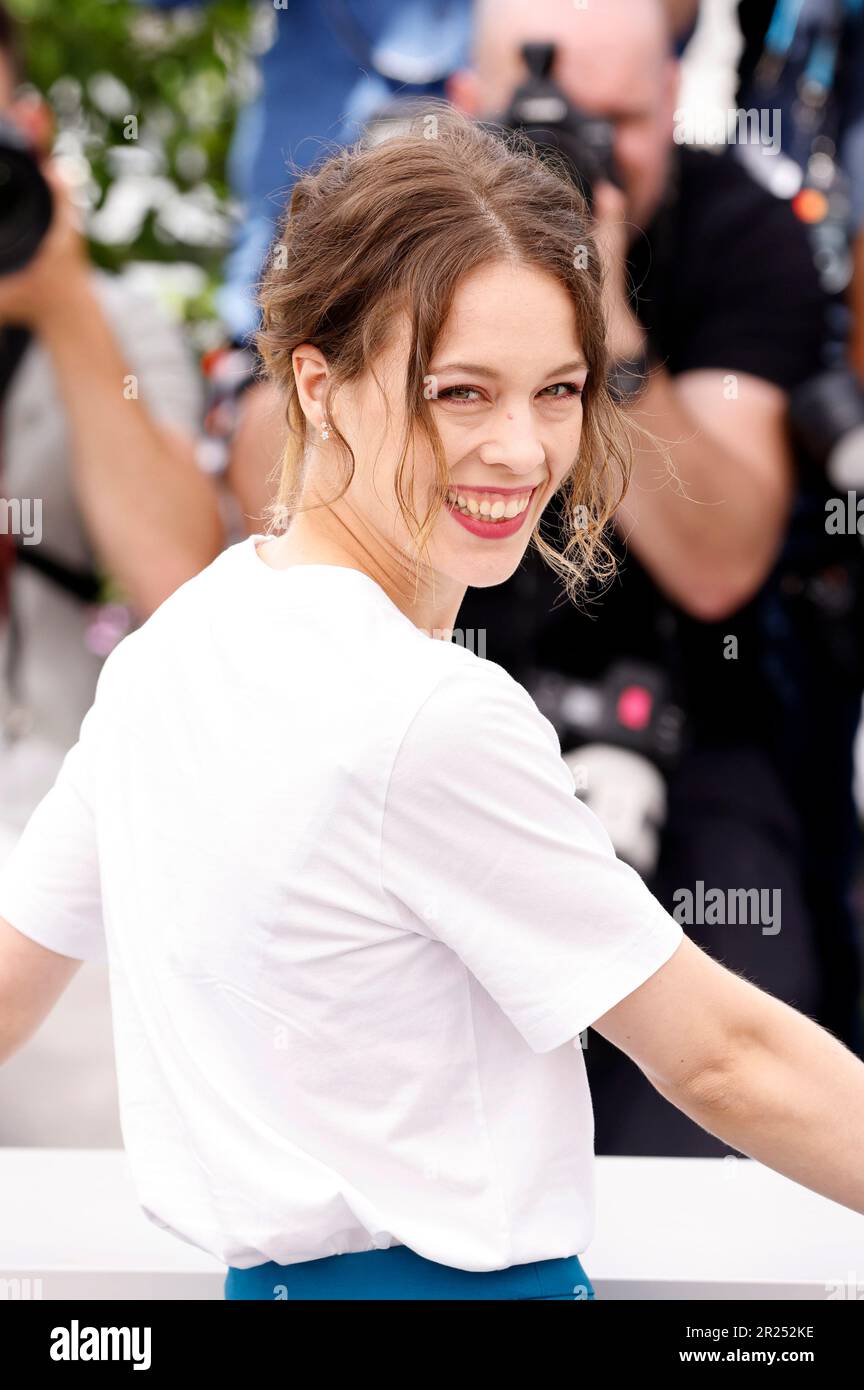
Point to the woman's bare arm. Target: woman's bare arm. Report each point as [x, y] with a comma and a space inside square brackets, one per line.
[748, 1068]
[32, 978]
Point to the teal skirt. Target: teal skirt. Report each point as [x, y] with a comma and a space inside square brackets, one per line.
[398, 1272]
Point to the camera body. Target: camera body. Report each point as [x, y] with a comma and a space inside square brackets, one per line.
[826, 414]
[26, 204]
[620, 737]
[544, 112]
[540, 109]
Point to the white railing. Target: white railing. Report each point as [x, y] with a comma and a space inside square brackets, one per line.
[667, 1228]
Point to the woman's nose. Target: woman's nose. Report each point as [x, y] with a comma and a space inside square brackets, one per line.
[514, 443]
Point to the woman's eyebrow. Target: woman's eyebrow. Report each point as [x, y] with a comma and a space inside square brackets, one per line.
[478, 370]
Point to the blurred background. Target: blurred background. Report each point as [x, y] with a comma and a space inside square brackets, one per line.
[144, 103]
[145, 153]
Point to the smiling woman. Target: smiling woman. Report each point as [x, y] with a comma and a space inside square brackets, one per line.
[425, 298]
[349, 993]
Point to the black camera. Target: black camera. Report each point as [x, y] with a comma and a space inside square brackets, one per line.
[26, 205]
[826, 414]
[545, 113]
[620, 736]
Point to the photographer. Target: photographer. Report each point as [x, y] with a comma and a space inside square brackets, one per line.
[99, 411]
[806, 63]
[100, 407]
[715, 315]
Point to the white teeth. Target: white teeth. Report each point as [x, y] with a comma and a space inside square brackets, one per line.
[491, 509]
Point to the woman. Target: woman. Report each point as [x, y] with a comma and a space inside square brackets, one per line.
[356, 917]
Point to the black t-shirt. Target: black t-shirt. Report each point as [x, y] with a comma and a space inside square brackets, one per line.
[723, 279]
[754, 17]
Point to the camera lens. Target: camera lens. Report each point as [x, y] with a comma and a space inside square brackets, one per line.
[25, 202]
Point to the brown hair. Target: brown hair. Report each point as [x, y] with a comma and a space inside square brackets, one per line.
[397, 223]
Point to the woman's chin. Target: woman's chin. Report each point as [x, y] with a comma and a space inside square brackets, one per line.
[485, 573]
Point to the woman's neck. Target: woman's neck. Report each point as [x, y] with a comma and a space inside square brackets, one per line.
[435, 613]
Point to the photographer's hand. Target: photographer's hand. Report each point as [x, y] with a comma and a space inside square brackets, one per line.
[707, 507]
[625, 336]
[151, 513]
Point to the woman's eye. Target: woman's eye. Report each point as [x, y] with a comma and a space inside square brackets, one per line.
[570, 387]
[469, 394]
[448, 394]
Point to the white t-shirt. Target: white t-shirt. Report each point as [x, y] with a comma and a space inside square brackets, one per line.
[355, 917]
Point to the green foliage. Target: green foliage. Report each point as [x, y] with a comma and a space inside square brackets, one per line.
[145, 99]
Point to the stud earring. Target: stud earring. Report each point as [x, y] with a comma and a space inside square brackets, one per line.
[325, 430]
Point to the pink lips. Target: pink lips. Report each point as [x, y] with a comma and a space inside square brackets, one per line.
[493, 530]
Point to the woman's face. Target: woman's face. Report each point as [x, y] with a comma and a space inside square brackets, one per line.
[504, 388]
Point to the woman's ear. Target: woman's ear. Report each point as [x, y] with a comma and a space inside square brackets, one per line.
[310, 376]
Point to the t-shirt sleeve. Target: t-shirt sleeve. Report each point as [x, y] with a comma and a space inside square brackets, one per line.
[49, 884]
[486, 847]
